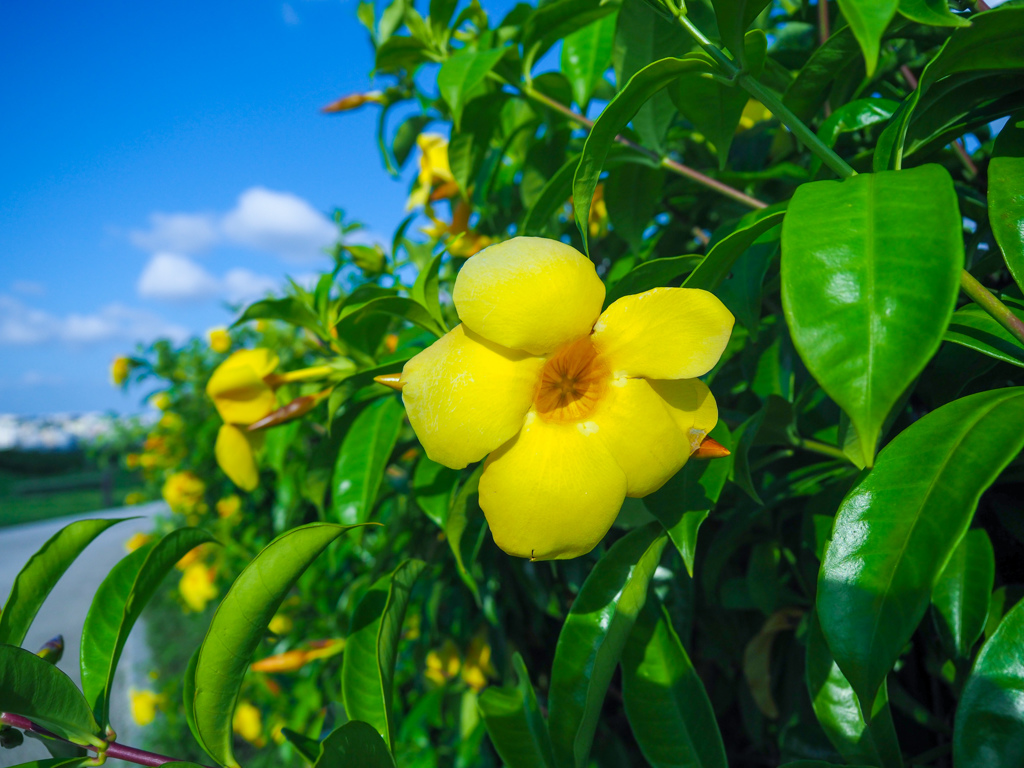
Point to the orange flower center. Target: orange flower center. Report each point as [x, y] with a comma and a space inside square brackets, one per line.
[571, 383]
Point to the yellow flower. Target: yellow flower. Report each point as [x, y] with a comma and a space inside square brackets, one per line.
[220, 340]
[149, 460]
[597, 223]
[755, 112]
[248, 723]
[443, 664]
[137, 540]
[577, 408]
[145, 705]
[229, 506]
[196, 586]
[280, 624]
[235, 452]
[161, 401]
[171, 422]
[239, 389]
[478, 668]
[119, 370]
[434, 172]
[183, 492]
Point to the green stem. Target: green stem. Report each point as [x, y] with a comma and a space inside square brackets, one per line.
[823, 448]
[985, 299]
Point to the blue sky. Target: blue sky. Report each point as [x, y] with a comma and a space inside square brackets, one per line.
[159, 159]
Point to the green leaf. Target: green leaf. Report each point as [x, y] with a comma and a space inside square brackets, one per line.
[734, 18]
[239, 625]
[644, 84]
[515, 724]
[42, 572]
[593, 636]
[553, 21]
[64, 762]
[426, 291]
[866, 305]
[719, 261]
[368, 666]
[976, 329]
[961, 596]
[433, 488]
[118, 602]
[458, 520]
[461, 74]
[651, 274]
[898, 527]
[632, 194]
[686, 500]
[743, 290]
[354, 744]
[830, 62]
[1006, 210]
[667, 706]
[868, 20]
[552, 198]
[188, 698]
[933, 12]
[305, 746]
[854, 116]
[715, 108]
[362, 459]
[291, 309]
[586, 56]
[839, 713]
[988, 731]
[34, 688]
[399, 306]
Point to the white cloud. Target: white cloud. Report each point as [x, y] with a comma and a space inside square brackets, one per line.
[241, 285]
[178, 232]
[28, 287]
[281, 223]
[172, 277]
[24, 325]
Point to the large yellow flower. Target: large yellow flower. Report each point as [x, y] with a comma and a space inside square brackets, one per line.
[577, 408]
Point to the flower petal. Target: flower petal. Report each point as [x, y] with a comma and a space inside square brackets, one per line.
[235, 456]
[552, 492]
[529, 293]
[240, 394]
[645, 440]
[691, 404]
[664, 333]
[465, 396]
[262, 361]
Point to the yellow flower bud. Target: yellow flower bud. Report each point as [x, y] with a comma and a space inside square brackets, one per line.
[161, 401]
[145, 705]
[220, 340]
[248, 723]
[119, 370]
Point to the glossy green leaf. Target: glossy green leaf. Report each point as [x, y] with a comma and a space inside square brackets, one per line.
[291, 310]
[433, 488]
[961, 595]
[614, 118]
[734, 18]
[743, 290]
[399, 306]
[933, 12]
[976, 329]
[116, 607]
[461, 74]
[898, 527]
[239, 625]
[552, 198]
[553, 21]
[42, 572]
[868, 20]
[427, 290]
[838, 710]
[829, 63]
[593, 636]
[854, 116]
[188, 699]
[362, 459]
[368, 666]
[719, 261]
[36, 689]
[305, 746]
[586, 56]
[515, 724]
[667, 706]
[1006, 210]
[354, 744]
[989, 728]
[715, 108]
[866, 305]
[463, 504]
[686, 500]
[651, 274]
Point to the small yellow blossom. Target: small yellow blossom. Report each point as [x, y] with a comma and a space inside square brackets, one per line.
[477, 668]
[442, 663]
[248, 723]
[196, 586]
[435, 180]
[220, 340]
[150, 460]
[190, 557]
[184, 492]
[171, 422]
[119, 370]
[597, 223]
[137, 540]
[229, 506]
[755, 112]
[280, 624]
[578, 408]
[160, 400]
[145, 705]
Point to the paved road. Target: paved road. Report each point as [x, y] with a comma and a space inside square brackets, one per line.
[65, 609]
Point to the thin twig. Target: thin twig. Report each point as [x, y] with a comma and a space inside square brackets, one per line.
[984, 298]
